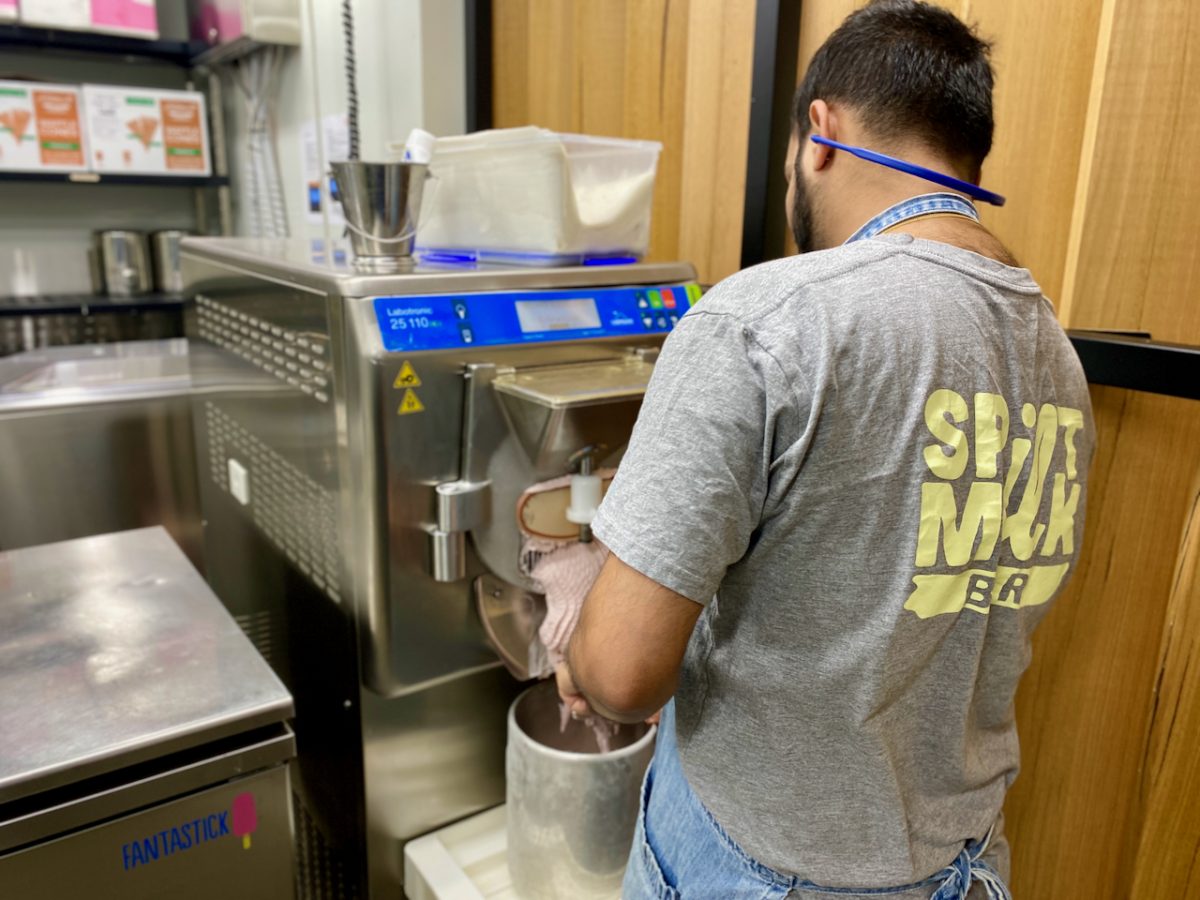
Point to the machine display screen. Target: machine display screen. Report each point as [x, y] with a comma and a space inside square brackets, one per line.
[557, 315]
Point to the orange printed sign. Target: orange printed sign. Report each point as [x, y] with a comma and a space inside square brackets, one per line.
[60, 138]
[16, 121]
[183, 135]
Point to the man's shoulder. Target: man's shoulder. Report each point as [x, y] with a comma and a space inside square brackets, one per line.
[794, 282]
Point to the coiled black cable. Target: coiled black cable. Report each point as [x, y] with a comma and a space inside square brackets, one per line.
[351, 76]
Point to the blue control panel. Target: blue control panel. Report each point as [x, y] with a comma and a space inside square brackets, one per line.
[443, 321]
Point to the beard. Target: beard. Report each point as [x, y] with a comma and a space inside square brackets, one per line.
[801, 218]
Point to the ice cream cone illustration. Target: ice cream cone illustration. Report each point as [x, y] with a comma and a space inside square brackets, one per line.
[16, 121]
[143, 128]
[245, 817]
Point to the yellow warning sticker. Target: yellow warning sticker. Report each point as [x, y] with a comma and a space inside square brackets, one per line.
[407, 377]
[410, 403]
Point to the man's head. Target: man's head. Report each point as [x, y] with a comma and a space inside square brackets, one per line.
[898, 76]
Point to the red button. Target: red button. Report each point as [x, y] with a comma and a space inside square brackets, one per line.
[668, 298]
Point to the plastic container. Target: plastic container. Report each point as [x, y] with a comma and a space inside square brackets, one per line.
[572, 809]
[536, 197]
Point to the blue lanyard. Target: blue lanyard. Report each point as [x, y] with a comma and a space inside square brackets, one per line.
[900, 165]
[914, 208]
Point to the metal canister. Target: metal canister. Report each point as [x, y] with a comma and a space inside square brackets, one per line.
[124, 262]
[168, 270]
[572, 807]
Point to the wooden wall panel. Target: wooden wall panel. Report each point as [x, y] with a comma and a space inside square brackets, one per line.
[656, 54]
[716, 133]
[674, 71]
[1132, 263]
[1084, 707]
[1170, 841]
[1137, 260]
[510, 60]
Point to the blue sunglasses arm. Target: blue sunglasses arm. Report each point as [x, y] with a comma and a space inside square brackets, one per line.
[971, 190]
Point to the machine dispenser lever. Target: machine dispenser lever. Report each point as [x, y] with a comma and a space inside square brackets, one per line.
[461, 506]
[448, 552]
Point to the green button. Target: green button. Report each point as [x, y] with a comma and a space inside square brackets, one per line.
[656, 299]
[693, 293]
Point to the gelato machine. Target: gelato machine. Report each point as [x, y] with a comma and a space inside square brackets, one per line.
[363, 441]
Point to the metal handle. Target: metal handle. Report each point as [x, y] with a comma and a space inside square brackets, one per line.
[461, 506]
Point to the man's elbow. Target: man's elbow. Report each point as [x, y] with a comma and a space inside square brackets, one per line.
[618, 692]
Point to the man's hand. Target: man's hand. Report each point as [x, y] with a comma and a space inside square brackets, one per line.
[570, 693]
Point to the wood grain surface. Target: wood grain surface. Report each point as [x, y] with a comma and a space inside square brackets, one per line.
[673, 71]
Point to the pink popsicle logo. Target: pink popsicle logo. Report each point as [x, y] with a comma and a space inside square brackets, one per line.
[245, 817]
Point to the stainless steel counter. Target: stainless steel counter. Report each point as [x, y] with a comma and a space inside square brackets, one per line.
[113, 651]
[143, 749]
[97, 439]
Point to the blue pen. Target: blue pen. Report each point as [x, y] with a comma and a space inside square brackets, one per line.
[971, 190]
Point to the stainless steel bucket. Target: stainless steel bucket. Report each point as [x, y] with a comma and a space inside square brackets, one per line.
[381, 203]
[572, 809]
[168, 270]
[123, 260]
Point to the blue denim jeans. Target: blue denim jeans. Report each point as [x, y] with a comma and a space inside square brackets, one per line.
[680, 852]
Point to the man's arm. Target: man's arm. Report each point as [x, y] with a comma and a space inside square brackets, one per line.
[625, 655]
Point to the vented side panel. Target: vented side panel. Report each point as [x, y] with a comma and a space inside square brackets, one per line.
[321, 873]
[294, 512]
[298, 359]
[258, 626]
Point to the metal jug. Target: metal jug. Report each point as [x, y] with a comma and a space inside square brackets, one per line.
[572, 808]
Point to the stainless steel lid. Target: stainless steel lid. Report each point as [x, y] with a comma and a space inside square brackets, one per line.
[308, 264]
[113, 651]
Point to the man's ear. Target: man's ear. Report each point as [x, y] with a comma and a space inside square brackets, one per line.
[822, 120]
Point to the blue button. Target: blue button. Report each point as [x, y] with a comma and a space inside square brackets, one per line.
[467, 336]
[674, 320]
[460, 309]
[662, 321]
[642, 304]
[648, 321]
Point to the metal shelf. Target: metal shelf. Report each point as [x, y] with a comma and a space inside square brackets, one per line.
[86, 304]
[105, 178]
[25, 37]
[1135, 362]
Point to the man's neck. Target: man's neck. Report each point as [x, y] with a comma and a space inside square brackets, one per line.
[958, 231]
[880, 191]
[864, 189]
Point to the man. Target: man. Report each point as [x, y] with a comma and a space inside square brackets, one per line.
[857, 482]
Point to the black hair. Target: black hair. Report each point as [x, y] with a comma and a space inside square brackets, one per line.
[909, 69]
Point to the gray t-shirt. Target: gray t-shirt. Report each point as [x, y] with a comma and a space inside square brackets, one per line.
[875, 458]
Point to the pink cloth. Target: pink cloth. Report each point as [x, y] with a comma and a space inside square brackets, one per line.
[566, 571]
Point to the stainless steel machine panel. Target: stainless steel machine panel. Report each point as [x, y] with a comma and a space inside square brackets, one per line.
[183, 849]
[97, 439]
[362, 442]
